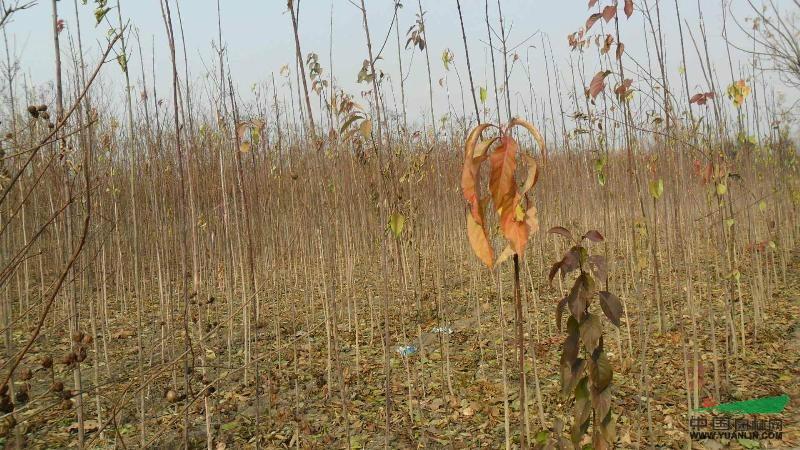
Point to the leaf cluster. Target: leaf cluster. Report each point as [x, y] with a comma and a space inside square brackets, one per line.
[585, 369]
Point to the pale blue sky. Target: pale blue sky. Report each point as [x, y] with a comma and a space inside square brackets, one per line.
[259, 40]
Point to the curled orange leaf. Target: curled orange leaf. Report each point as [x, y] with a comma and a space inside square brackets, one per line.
[537, 136]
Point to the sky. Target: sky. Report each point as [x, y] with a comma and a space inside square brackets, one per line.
[259, 40]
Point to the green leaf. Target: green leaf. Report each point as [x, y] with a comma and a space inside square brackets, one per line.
[100, 14]
[123, 62]
[396, 223]
[656, 188]
[722, 189]
[762, 206]
[749, 443]
[229, 426]
[484, 94]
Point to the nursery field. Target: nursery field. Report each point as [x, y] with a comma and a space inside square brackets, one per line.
[520, 241]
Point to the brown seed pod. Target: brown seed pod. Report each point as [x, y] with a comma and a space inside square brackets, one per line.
[47, 362]
[42, 107]
[6, 406]
[25, 374]
[57, 386]
[66, 405]
[45, 115]
[69, 358]
[87, 340]
[9, 135]
[50, 125]
[21, 397]
[171, 396]
[33, 111]
[77, 337]
[81, 354]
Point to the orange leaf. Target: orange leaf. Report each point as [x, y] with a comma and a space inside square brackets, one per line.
[479, 240]
[515, 231]
[534, 132]
[533, 174]
[469, 174]
[532, 220]
[503, 162]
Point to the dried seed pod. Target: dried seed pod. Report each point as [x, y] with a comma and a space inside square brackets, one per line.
[171, 396]
[9, 135]
[47, 362]
[87, 340]
[69, 358]
[33, 111]
[25, 374]
[45, 115]
[66, 405]
[57, 386]
[6, 406]
[50, 125]
[81, 354]
[21, 398]
[77, 337]
[42, 107]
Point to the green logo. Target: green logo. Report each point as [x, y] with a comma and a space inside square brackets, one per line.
[765, 405]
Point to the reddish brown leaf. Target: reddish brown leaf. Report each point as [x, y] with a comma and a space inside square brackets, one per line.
[598, 83]
[609, 40]
[620, 50]
[701, 98]
[576, 301]
[594, 236]
[611, 307]
[592, 19]
[623, 89]
[561, 231]
[628, 8]
[560, 312]
[609, 12]
[709, 402]
[599, 266]
[592, 3]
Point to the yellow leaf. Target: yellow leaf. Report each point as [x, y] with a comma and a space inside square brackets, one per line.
[396, 223]
[507, 252]
[365, 128]
[479, 241]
